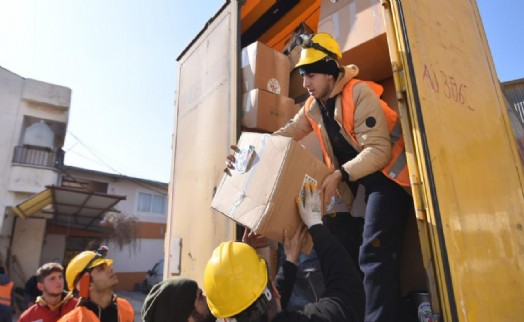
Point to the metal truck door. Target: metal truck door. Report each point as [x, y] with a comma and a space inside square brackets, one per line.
[464, 165]
[205, 126]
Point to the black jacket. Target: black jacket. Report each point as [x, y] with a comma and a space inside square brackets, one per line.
[343, 298]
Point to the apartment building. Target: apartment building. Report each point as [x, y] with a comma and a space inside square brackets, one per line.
[52, 211]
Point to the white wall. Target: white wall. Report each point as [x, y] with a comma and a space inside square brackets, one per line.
[21, 97]
[129, 188]
[53, 249]
[10, 92]
[27, 246]
[147, 253]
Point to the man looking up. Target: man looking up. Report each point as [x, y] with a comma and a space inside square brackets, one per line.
[92, 276]
[54, 302]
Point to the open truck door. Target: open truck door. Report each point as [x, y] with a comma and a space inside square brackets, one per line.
[205, 127]
[433, 60]
[464, 164]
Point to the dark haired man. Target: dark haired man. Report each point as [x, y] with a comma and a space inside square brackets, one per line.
[54, 302]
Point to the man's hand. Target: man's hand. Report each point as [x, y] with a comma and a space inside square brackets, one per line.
[293, 245]
[255, 240]
[230, 159]
[329, 185]
[310, 208]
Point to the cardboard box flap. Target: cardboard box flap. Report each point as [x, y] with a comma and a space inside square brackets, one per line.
[263, 197]
[243, 195]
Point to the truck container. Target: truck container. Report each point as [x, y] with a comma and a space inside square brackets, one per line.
[464, 244]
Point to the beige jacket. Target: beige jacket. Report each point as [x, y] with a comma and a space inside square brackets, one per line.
[374, 144]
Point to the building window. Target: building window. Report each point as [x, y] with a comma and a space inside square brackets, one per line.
[151, 203]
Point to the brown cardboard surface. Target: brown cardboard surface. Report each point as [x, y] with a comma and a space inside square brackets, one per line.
[265, 68]
[328, 7]
[263, 198]
[372, 59]
[358, 26]
[390, 93]
[352, 23]
[266, 111]
[296, 82]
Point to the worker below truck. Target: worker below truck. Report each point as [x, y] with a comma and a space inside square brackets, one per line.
[362, 143]
[462, 242]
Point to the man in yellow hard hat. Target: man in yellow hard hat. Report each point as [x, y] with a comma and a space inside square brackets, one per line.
[238, 287]
[362, 143]
[91, 275]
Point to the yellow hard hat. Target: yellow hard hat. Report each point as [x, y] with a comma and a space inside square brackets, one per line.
[81, 263]
[316, 47]
[234, 278]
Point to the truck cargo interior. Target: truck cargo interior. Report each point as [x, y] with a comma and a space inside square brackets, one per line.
[363, 42]
[463, 241]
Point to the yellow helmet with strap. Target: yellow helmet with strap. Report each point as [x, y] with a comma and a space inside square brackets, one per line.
[234, 278]
[82, 263]
[317, 47]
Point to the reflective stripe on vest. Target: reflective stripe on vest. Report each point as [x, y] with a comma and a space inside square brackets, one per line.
[396, 169]
[5, 293]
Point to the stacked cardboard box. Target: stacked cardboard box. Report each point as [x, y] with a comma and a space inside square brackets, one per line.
[360, 30]
[266, 111]
[264, 68]
[265, 87]
[296, 83]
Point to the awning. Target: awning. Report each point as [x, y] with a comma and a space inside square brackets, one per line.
[73, 208]
[34, 204]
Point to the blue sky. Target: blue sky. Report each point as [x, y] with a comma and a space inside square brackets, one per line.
[119, 59]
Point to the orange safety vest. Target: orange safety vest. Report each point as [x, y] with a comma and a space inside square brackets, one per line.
[396, 169]
[83, 314]
[5, 293]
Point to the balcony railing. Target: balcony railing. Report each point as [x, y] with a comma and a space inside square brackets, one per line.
[37, 156]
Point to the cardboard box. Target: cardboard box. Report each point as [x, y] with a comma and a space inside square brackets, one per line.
[352, 22]
[359, 28]
[390, 93]
[296, 82]
[266, 111]
[263, 197]
[265, 68]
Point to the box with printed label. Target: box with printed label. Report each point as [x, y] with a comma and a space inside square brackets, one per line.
[260, 193]
[265, 68]
[263, 110]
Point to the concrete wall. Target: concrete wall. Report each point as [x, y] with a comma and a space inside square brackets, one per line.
[27, 245]
[11, 86]
[129, 187]
[53, 249]
[31, 179]
[131, 264]
[22, 99]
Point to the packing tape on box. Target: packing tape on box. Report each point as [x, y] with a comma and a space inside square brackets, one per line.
[241, 195]
[246, 53]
